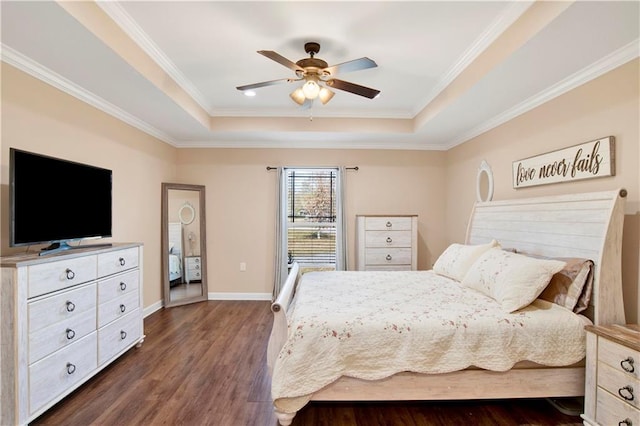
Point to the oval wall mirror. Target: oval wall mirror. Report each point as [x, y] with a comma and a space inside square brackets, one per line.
[187, 214]
[184, 251]
[484, 182]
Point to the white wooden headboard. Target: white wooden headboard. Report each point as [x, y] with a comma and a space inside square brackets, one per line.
[587, 225]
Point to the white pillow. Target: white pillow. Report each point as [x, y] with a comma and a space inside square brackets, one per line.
[513, 280]
[458, 258]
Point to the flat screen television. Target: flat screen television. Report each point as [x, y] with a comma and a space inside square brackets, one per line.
[54, 201]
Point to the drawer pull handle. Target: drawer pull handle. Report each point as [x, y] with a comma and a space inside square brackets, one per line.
[625, 422]
[389, 224]
[70, 306]
[123, 286]
[626, 393]
[70, 334]
[70, 274]
[388, 257]
[123, 308]
[71, 368]
[122, 262]
[389, 240]
[123, 334]
[627, 365]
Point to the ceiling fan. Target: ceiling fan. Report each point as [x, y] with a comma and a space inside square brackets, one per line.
[318, 77]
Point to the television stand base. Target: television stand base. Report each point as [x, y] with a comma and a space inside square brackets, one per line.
[63, 246]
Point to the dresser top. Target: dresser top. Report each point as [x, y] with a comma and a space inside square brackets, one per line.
[32, 258]
[626, 335]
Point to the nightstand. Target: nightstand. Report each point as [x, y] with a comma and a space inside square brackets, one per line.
[192, 268]
[612, 384]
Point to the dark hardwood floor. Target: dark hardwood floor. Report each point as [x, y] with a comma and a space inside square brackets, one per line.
[204, 364]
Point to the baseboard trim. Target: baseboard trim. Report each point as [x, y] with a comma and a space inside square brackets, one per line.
[152, 308]
[239, 296]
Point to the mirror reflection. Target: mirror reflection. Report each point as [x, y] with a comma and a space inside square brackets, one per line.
[183, 244]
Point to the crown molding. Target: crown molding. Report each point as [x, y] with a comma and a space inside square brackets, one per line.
[137, 34]
[488, 36]
[618, 58]
[44, 74]
[407, 146]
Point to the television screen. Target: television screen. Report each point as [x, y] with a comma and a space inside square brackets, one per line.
[54, 200]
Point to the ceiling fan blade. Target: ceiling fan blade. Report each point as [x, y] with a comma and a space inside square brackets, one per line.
[264, 83]
[367, 92]
[355, 65]
[280, 59]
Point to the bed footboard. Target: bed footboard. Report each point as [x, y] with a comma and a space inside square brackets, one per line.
[279, 308]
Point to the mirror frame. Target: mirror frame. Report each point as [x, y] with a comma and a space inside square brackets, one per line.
[166, 290]
[486, 170]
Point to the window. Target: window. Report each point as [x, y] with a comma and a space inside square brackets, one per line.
[311, 217]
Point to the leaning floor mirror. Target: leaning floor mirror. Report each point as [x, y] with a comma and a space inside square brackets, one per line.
[184, 252]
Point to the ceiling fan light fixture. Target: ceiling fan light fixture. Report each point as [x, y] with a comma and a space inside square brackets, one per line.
[325, 95]
[311, 89]
[298, 96]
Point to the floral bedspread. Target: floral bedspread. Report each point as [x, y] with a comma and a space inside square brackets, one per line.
[371, 325]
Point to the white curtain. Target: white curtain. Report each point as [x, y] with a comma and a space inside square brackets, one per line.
[281, 255]
[341, 222]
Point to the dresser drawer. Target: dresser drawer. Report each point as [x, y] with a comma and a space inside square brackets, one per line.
[118, 285]
[118, 307]
[53, 276]
[387, 239]
[118, 336]
[388, 256]
[64, 333]
[59, 371]
[612, 411]
[117, 261]
[390, 223]
[61, 307]
[624, 386]
[618, 356]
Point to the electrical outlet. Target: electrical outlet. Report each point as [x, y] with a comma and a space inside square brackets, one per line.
[243, 266]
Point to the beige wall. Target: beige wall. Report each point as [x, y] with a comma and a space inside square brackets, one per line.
[37, 117]
[241, 203]
[609, 105]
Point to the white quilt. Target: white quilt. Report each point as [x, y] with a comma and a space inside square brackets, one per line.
[371, 325]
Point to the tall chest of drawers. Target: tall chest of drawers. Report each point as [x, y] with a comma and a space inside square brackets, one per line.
[385, 242]
[64, 318]
[612, 384]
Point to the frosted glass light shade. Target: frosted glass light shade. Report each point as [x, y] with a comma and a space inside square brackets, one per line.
[311, 89]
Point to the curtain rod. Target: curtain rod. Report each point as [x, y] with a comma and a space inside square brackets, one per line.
[356, 168]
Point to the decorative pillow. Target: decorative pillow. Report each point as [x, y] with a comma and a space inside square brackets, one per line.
[571, 287]
[512, 279]
[458, 258]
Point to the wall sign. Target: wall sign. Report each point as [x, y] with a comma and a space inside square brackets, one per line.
[587, 160]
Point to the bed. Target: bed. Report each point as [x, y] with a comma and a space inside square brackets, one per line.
[175, 254]
[315, 353]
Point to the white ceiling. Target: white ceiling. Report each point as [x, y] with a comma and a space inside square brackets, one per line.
[447, 70]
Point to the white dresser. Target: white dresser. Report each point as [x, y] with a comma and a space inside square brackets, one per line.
[64, 318]
[612, 384]
[192, 269]
[386, 242]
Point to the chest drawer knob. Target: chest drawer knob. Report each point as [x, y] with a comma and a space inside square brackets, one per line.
[70, 306]
[70, 334]
[70, 274]
[625, 422]
[123, 308]
[123, 334]
[389, 224]
[123, 286]
[388, 257]
[626, 392]
[389, 240]
[627, 365]
[122, 262]
[71, 368]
